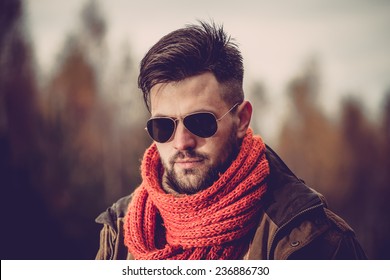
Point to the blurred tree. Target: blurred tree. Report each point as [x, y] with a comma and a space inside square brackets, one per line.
[257, 96]
[386, 118]
[381, 241]
[308, 139]
[368, 172]
[93, 152]
[347, 161]
[128, 139]
[361, 153]
[27, 231]
[76, 122]
[17, 81]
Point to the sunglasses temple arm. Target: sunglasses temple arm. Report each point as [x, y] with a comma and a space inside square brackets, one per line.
[234, 106]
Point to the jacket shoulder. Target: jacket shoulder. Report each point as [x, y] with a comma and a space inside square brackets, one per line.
[116, 211]
[336, 240]
[111, 245]
[348, 246]
[302, 225]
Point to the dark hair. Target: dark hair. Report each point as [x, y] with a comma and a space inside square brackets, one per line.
[193, 50]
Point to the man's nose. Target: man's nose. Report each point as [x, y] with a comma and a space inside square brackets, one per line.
[183, 138]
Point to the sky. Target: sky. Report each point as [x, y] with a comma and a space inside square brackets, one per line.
[350, 38]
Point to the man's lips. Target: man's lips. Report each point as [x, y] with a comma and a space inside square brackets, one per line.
[188, 163]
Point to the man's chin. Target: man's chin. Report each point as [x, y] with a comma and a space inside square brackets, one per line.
[188, 182]
[191, 180]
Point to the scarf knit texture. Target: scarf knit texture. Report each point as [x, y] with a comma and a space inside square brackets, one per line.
[215, 223]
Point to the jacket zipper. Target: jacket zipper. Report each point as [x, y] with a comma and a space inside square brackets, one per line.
[289, 221]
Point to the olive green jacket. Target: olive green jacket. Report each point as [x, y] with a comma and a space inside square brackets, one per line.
[295, 224]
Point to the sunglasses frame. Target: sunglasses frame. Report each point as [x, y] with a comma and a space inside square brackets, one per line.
[176, 120]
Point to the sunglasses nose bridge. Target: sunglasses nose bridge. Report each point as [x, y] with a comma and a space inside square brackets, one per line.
[180, 125]
[183, 138]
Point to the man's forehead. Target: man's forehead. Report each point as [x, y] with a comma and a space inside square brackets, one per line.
[180, 107]
[192, 94]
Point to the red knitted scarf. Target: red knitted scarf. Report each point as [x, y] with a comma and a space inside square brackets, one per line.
[214, 223]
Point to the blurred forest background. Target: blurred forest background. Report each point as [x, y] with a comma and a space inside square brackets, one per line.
[71, 143]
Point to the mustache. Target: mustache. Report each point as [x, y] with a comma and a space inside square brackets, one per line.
[190, 154]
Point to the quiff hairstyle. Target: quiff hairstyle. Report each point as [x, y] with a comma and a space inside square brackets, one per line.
[190, 51]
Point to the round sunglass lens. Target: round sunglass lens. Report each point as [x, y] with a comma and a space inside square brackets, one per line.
[160, 129]
[201, 124]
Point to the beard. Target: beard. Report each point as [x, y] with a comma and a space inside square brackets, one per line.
[193, 180]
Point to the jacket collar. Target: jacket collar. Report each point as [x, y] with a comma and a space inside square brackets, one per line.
[288, 196]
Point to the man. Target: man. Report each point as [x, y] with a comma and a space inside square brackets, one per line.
[210, 188]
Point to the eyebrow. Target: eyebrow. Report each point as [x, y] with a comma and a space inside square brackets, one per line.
[158, 115]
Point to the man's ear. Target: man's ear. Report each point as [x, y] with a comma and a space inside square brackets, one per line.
[244, 114]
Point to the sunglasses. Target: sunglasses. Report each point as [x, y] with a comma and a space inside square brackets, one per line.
[202, 124]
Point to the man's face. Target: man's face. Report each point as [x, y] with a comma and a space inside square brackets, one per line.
[193, 163]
